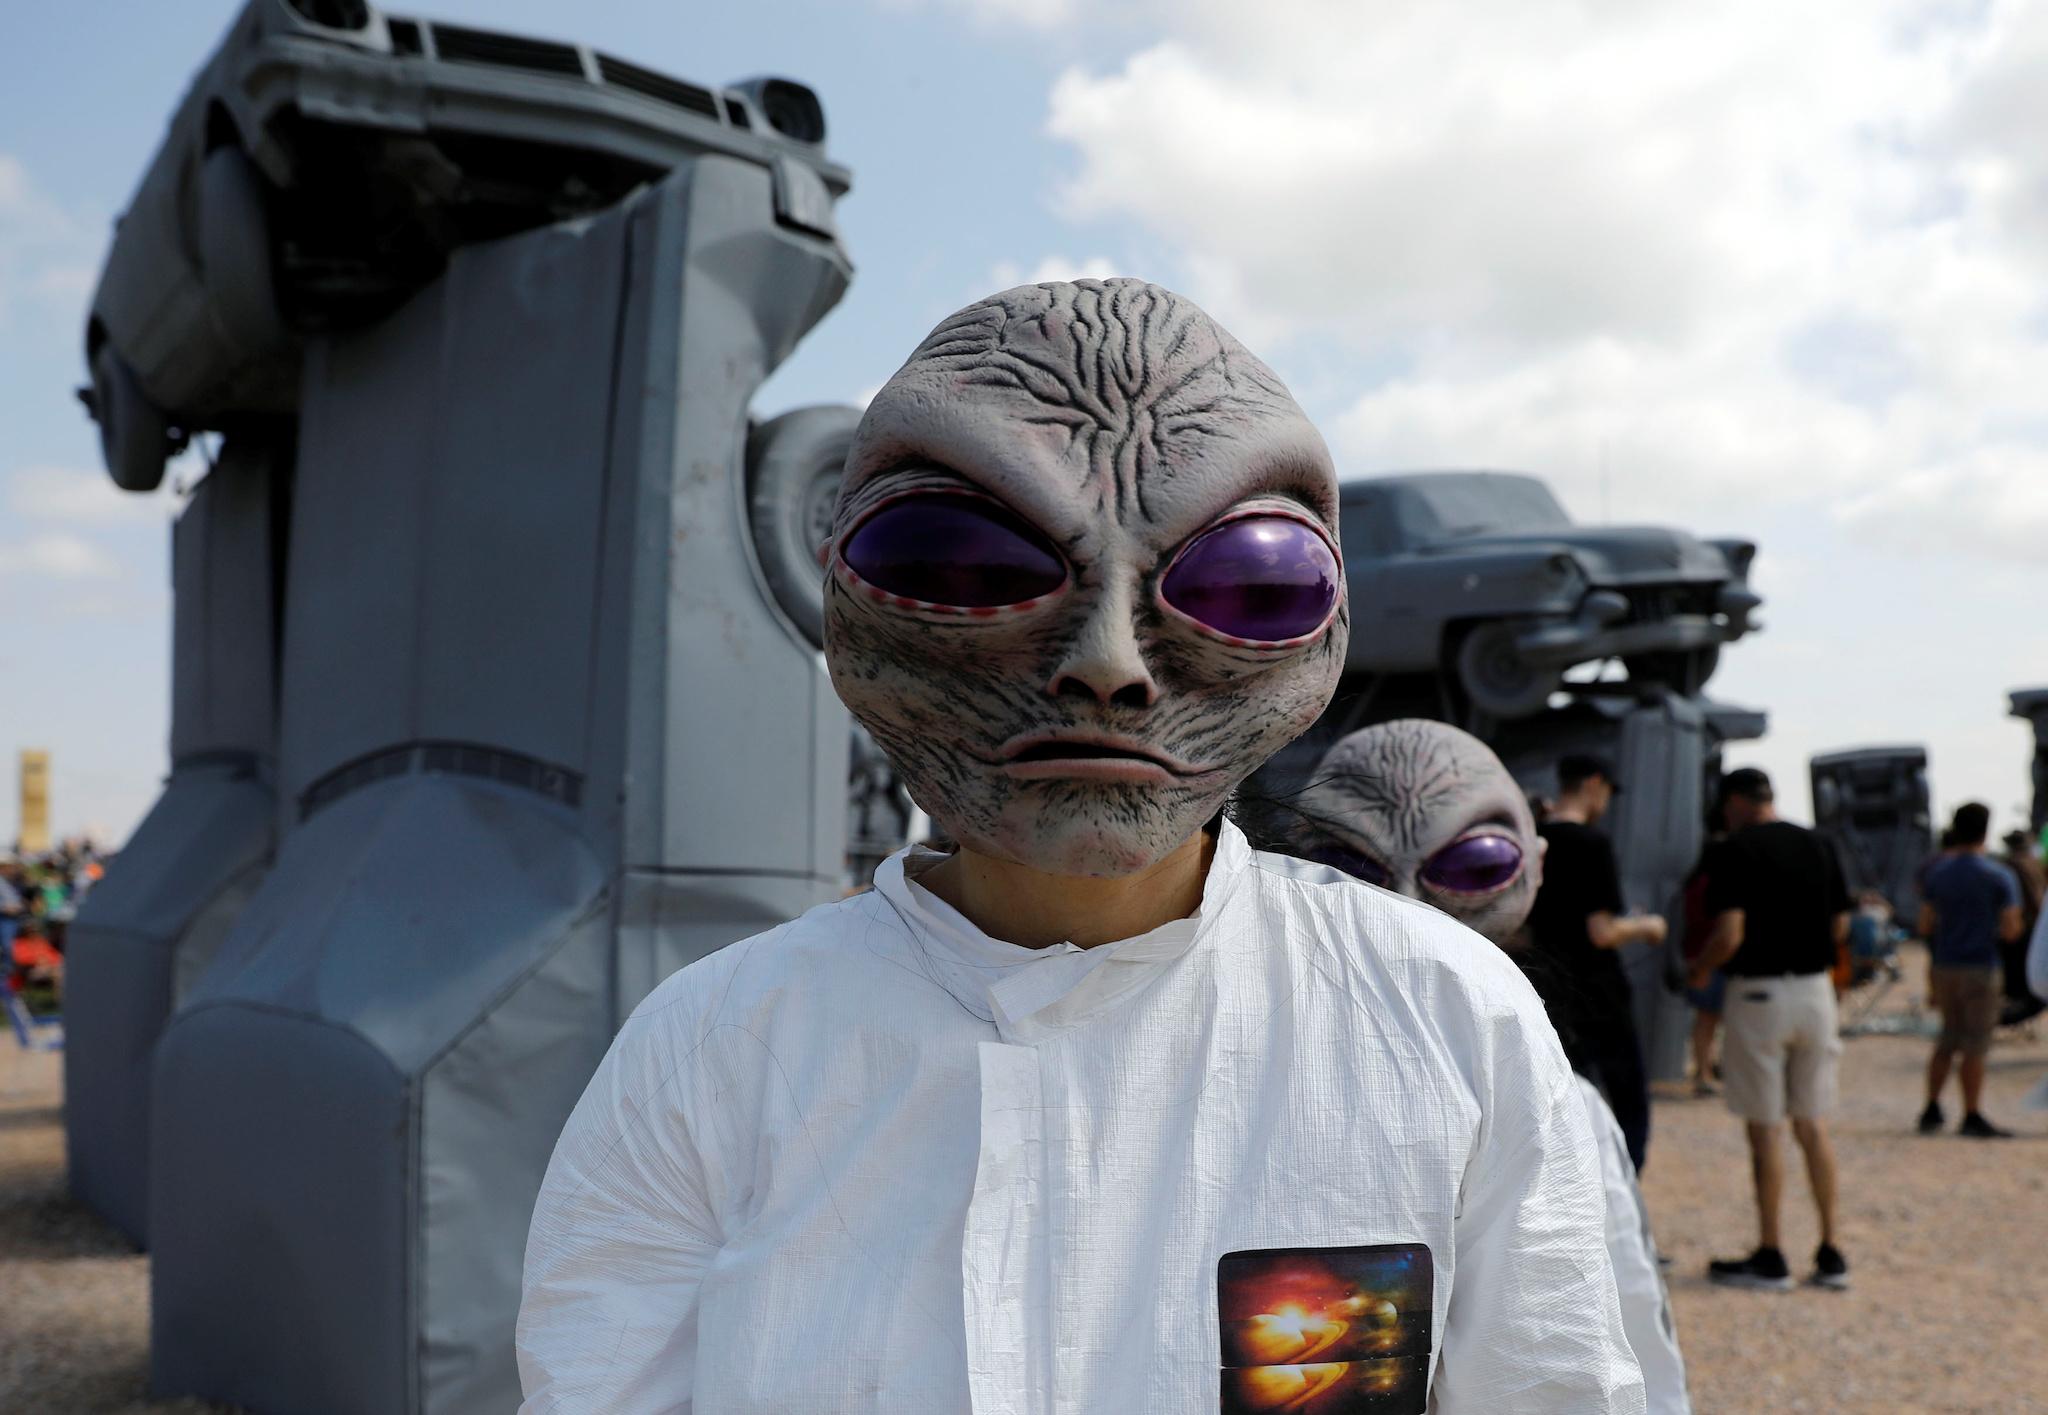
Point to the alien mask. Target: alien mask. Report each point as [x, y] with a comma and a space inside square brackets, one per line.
[1428, 811]
[1083, 577]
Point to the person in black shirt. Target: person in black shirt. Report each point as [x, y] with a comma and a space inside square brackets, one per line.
[1578, 925]
[1780, 912]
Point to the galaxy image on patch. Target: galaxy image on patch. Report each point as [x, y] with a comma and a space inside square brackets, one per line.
[1325, 1331]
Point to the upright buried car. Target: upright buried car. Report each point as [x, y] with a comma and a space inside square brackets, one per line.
[494, 702]
[1871, 805]
[1483, 578]
[329, 157]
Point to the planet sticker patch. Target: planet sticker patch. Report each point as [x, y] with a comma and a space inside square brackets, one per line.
[1326, 1331]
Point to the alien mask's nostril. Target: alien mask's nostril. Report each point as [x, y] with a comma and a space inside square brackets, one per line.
[1136, 694]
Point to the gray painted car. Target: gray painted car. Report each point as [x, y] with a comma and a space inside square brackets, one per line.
[1482, 577]
[1872, 806]
[329, 157]
[496, 696]
[2031, 705]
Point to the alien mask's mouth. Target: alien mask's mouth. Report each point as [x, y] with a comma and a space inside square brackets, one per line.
[1082, 751]
[1095, 757]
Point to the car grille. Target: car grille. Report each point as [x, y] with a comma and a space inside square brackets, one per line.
[460, 45]
[620, 74]
[507, 51]
[1654, 604]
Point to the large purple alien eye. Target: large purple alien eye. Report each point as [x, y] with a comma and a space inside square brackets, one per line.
[1259, 578]
[1358, 866]
[1478, 864]
[957, 551]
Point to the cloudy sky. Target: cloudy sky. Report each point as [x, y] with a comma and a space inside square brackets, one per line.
[1749, 268]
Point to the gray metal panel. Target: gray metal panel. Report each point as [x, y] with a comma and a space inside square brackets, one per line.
[508, 602]
[727, 664]
[470, 934]
[1659, 746]
[155, 921]
[1727, 722]
[449, 572]
[403, 908]
[455, 933]
[351, 640]
[117, 994]
[1885, 756]
[223, 630]
[193, 859]
[1659, 824]
[668, 921]
[277, 1140]
[702, 644]
[223, 678]
[203, 938]
[490, 1108]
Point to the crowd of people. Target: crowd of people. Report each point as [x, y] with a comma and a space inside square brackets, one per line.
[39, 895]
[1772, 938]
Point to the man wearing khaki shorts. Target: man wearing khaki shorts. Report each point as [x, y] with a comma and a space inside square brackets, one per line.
[1972, 905]
[1780, 911]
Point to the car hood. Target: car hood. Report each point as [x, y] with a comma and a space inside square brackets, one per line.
[1608, 554]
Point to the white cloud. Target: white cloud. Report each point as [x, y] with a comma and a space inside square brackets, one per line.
[46, 257]
[1735, 255]
[1044, 15]
[57, 555]
[1991, 133]
[1991, 501]
[16, 193]
[78, 496]
[1751, 268]
[64, 281]
[1007, 274]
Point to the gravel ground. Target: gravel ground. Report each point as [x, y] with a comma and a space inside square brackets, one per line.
[74, 1297]
[1944, 1237]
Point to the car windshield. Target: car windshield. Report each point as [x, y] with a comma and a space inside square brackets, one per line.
[1390, 516]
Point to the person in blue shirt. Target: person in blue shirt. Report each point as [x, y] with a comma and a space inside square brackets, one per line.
[1972, 905]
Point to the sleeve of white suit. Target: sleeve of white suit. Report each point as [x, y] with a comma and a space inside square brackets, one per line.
[1645, 1306]
[622, 1234]
[1534, 1325]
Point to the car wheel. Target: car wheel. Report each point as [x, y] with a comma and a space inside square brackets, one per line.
[1497, 679]
[794, 465]
[1685, 672]
[135, 435]
[234, 252]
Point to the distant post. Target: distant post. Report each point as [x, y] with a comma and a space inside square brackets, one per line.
[34, 836]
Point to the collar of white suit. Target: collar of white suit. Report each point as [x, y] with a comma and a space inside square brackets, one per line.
[1034, 993]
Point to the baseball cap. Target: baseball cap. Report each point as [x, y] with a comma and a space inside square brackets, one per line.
[1574, 767]
[1748, 782]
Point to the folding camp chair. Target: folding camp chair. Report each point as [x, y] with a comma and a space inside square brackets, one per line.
[1874, 970]
[33, 1032]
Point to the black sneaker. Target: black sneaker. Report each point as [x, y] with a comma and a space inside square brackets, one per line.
[1830, 1268]
[1931, 1118]
[1978, 1128]
[1764, 1268]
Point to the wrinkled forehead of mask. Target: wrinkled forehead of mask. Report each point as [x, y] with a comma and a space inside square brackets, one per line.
[1429, 810]
[1097, 400]
[1085, 513]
